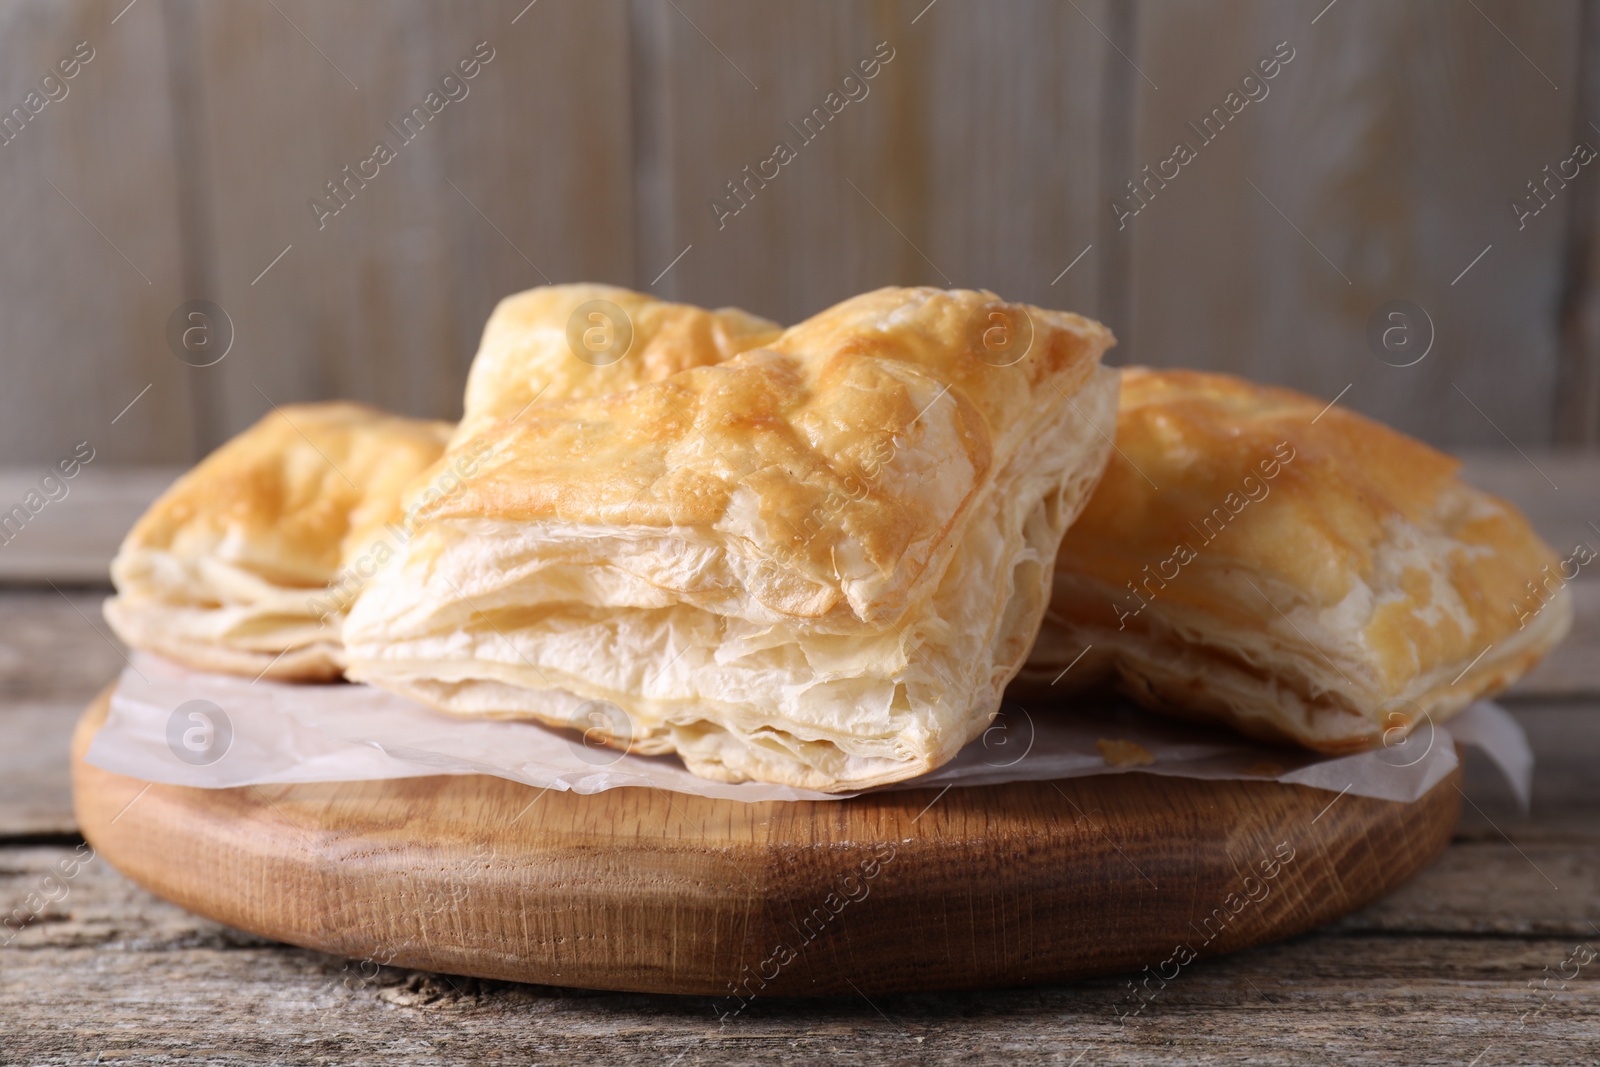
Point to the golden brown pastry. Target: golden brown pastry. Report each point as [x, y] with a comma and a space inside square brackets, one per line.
[817, 563]
[248, 563]
[1302, 574]
[558, 342]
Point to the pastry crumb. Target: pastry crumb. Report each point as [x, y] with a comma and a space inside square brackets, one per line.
[1124, 753]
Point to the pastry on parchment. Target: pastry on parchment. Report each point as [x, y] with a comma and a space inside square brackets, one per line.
[247, 564]
[557, 342]
[817, 563]
[1303, 574]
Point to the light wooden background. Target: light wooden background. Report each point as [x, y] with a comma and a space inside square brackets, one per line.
[1383, 160]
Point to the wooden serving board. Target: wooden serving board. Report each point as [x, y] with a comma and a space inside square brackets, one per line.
[639, 889]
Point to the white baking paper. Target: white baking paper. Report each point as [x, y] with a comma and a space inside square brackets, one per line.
[180, 727]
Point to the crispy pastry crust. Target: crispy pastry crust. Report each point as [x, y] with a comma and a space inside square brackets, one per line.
[239, 567]
[1303, 575]
[817, 563]
[534, 347]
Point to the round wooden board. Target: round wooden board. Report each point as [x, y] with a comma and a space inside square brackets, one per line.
[639, 889]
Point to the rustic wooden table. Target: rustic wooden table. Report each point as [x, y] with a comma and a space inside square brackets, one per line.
[1488, 957]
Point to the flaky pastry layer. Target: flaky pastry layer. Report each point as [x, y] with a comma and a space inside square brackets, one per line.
[1302, 574]
[558, 342]
[247, 564]
[817, 563]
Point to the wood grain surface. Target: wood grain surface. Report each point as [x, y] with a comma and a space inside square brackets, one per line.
[1445, 970]
[508, 187]
[954, 117]
[1439, 972]
[986, 153]
[638, 889]
[1327, 198]
[93, 255]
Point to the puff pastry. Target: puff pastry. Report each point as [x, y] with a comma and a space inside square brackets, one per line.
[817, 563]
[558, 342]
[1302, 574]
[248, 563]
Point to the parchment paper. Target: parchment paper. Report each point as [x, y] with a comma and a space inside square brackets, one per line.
[176, 726]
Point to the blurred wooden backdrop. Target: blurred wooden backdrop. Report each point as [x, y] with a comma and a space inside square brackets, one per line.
[1382, 164]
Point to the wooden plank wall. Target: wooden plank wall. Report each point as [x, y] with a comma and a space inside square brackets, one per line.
[1391, 144]
[986, 151]
[92, 254]
[506, 187]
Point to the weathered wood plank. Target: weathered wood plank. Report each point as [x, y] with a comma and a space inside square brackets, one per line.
[1565, 806]
[1573, 668]
[1010, 152]
[1382, 159]
[54, 646]
[1559, 490]
[55, 653]
[950, 167]
[1577, 414]
[526, 177]
[108, 970]
[72, 539]
[1493, 887]
[242, 1005]
[94, 260]
[1475, 889]
[777, 246]
[993, 171]
[35, 783]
